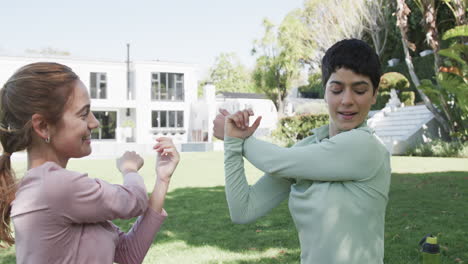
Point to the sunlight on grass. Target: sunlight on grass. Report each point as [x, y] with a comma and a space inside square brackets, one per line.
[207, 254]
[402, 164]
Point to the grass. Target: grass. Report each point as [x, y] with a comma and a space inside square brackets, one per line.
[428, 195]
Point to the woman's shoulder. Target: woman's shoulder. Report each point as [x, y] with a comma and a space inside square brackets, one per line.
[39, 183]
[49, 171]
[52, 169]
[55, 179]
[363, 138]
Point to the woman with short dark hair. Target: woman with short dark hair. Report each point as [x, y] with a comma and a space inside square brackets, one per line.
[337, 180]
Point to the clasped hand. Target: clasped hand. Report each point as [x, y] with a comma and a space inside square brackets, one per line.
[166, 163]
[235, 125]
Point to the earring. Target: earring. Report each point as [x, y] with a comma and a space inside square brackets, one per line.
[47, 140]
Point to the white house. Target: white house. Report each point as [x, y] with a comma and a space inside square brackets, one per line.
[134, 102]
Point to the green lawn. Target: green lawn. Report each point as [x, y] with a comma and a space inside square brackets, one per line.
[428, 195]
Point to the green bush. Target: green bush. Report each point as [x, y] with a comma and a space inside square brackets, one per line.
[407, 97]
[397, 81]
[439, 148]
[393, 80]
[294, 128]
[382, 99]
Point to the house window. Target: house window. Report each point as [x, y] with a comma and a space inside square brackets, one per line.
[167, 119]
[167, 86]
[108, 123]
[98, 85]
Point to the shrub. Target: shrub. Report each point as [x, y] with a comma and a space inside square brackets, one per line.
[397, 81]
[439, 148]
[294, 128]
[393, 80]
[382, 99]
[407, 97]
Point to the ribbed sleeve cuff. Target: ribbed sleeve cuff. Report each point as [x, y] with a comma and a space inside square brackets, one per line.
[155, 216]
[233, 144]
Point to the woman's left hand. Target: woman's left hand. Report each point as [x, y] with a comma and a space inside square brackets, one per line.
[167, 160]
[237, 124]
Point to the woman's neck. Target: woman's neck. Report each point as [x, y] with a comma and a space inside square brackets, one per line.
[37, 156]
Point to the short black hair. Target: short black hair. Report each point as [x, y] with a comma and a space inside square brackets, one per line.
[355, 55]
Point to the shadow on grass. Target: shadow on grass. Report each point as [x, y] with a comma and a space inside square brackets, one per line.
[425, 203]
[200, 217]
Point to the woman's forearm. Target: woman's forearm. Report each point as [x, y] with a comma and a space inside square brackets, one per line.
[158, 196]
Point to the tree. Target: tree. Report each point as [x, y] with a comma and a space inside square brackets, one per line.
[229, 75]
[329, 21]
[375, 15]
[443, 115]
[281, 53]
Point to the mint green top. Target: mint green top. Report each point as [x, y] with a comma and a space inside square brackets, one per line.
[337, 188]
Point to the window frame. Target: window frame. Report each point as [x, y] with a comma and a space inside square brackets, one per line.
[95, 88]
[171, 90]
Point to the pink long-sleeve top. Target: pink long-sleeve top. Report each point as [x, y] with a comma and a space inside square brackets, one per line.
[61, 216]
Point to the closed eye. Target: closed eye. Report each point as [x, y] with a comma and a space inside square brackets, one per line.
[85, 114]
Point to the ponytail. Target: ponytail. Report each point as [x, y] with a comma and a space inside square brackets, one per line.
[7, 194]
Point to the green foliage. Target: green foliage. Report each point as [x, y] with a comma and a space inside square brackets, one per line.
[281, 52]
[459, 31]
[439, 148]
[457, 52]
[314, 89]
[449, 92]
[229, 75]
[407, 97]
[397, 81]
[393, 80]
[294, 128]
[382, 99]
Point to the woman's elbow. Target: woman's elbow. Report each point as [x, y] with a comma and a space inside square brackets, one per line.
[135, 205]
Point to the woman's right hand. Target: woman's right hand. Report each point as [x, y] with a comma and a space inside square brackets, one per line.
[237, 124]
[167, 160]
[129, 162]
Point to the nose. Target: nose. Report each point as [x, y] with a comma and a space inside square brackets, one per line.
[347, 98]
[93, 123]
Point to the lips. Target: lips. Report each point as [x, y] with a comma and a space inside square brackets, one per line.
[347, 115]
[88, 137]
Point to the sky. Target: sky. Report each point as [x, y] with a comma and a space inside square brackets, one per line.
[189, 31]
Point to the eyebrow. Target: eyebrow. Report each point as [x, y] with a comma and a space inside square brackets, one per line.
[353, 84]
[87, 107]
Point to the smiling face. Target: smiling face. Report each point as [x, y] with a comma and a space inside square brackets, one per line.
[71, 136]
[349, 97]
